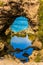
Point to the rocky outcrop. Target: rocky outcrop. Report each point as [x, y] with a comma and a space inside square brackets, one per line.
[40, 54]
[37, 44]
[33, 56]
[13, 8]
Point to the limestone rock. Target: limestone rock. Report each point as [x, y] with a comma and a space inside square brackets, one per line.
[41, 52]
[14, 8]
[35, 28]
[33, 56]
[37, 44]
[4, 1]
[39, 57]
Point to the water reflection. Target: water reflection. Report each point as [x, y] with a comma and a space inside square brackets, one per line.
[21, 43]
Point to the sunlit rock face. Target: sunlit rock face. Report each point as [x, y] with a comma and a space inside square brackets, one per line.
[14, 8]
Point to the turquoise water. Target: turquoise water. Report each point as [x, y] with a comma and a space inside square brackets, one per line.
[19, 24]
[21, 43]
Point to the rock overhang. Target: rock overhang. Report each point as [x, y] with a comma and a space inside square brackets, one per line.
[12, 9]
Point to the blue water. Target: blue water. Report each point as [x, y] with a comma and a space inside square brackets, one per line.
[21, 43]
[19, 24]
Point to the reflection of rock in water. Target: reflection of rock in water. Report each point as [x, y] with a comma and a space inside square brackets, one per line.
[26, 54]
[19, 44]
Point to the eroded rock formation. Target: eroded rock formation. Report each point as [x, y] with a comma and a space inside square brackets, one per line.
[13, 8]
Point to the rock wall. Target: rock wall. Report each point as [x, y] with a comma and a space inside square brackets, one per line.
[13, 8]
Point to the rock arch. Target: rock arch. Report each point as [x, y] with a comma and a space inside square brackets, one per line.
[13, 8]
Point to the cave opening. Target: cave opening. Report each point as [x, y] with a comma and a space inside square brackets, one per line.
[19, 24]
[19, 43]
